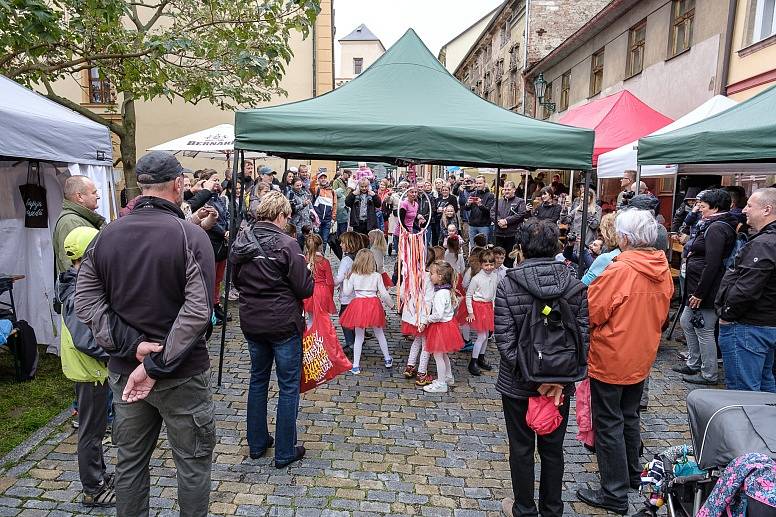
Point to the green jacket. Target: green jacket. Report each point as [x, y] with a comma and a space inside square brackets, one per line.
[82, 358]
[71, 217]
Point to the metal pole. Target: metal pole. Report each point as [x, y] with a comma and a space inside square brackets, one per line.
[583, 230]
[525, 187]
[638, 179]
[498, 195]
[285, 170]
[234, 222]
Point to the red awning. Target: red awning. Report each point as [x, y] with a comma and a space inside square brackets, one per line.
[617, 119]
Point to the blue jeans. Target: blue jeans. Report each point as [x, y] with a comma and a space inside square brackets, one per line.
[747, 356]
[476, 230]
[380, 220]
[288, 360]
[323, 232]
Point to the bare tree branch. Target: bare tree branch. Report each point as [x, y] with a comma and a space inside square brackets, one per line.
[156, 15]
[75, 62]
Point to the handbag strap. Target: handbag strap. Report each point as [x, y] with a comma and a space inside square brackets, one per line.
[33, 167]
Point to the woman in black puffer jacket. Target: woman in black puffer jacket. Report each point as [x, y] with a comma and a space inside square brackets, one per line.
[538, 277]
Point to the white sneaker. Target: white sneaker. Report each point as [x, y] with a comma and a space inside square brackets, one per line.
[233, 295]
[436, 387]
[450, 380]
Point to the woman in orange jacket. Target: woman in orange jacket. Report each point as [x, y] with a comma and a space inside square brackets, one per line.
[628, 304]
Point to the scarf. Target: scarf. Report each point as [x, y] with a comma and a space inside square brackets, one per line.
[363, 206]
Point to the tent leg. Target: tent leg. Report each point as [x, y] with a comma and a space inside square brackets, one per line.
[498, 195]
[638, 178]
[583, 230]
[525, 187]
[234, 222]
[571, 185]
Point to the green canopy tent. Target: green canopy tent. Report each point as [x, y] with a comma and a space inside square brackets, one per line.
[406, 108]
[745, 133]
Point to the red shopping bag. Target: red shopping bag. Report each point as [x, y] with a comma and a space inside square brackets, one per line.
[322, 355]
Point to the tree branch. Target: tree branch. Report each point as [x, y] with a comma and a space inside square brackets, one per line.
[156, 15]
[86, 112]
[35, 66]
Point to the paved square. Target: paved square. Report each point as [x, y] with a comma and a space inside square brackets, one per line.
[375, 443]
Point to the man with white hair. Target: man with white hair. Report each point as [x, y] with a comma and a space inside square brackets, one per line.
[746, 302]
[628, 304]
[79, 208]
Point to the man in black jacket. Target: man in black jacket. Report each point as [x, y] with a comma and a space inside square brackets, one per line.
[511, 212]
[746, 302]
[272, 277]
[478, 206]
[145, 288]
[541, 277]
[363, 204]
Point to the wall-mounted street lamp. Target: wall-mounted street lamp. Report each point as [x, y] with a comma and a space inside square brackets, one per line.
[540, 87]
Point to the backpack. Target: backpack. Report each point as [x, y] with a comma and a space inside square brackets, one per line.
[550, 347]
[729, 262]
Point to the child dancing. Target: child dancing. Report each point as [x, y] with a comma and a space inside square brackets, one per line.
[322, 299]
[366, 287]
[480, 296]
[409, 327]
[442, 335]
[379, 248]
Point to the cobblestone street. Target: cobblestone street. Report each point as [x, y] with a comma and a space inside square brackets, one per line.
[375, 443]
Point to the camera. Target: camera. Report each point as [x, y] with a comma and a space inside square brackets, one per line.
[697, 320]
[571, 237]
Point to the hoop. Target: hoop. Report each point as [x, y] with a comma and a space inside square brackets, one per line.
[428, 219]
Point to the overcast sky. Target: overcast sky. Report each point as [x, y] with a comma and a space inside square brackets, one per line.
[435, 21]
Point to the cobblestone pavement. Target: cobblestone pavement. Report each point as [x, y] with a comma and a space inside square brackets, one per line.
[376, 445]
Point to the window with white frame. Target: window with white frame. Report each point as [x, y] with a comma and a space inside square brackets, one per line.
[764, 20]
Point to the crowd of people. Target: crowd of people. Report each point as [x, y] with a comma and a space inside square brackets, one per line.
[495, 272]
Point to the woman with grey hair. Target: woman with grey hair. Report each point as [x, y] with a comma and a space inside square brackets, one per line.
[628, 304]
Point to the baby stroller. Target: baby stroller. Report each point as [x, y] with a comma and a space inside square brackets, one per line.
[723, 425]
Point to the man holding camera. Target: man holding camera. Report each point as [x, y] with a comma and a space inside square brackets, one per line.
[478, 207]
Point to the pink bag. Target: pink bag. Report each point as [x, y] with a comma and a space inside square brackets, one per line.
[586, 434]
[542, 416]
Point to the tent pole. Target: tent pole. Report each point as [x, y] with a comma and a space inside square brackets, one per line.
[498, 195]
[638, 178]
[525, 187]
[571, 185]
[285, 170]
[234, 221]
[583, 230]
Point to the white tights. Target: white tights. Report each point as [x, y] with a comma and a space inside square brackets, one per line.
[479, 344]
[466, 332]
[444, 369]
[419, 345]
[359, 343]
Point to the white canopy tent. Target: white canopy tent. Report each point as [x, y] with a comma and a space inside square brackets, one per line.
[613, 163]
[33, 128]
[217, 141]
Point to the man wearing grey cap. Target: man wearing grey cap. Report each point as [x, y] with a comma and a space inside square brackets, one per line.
[145, 288]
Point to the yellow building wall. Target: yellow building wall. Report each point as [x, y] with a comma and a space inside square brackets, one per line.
[749, 64]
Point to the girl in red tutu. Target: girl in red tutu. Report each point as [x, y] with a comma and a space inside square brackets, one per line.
[442, 335]
[480, 296]
[463, 284]
[322, 300]
[379, 248]
[366, 287]
[410, 320]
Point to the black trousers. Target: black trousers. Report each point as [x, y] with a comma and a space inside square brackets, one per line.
[92, 423]
[506, 242]
[521, 461]
[616, 423]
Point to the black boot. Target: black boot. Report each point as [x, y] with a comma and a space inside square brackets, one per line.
[483, 364]
[473, 368]
[390, 248]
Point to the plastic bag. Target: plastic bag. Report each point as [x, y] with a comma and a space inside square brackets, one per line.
[322, 355]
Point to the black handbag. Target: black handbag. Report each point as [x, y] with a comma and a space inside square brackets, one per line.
[34, 197]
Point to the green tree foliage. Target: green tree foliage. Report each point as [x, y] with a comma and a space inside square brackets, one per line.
[229, 52]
